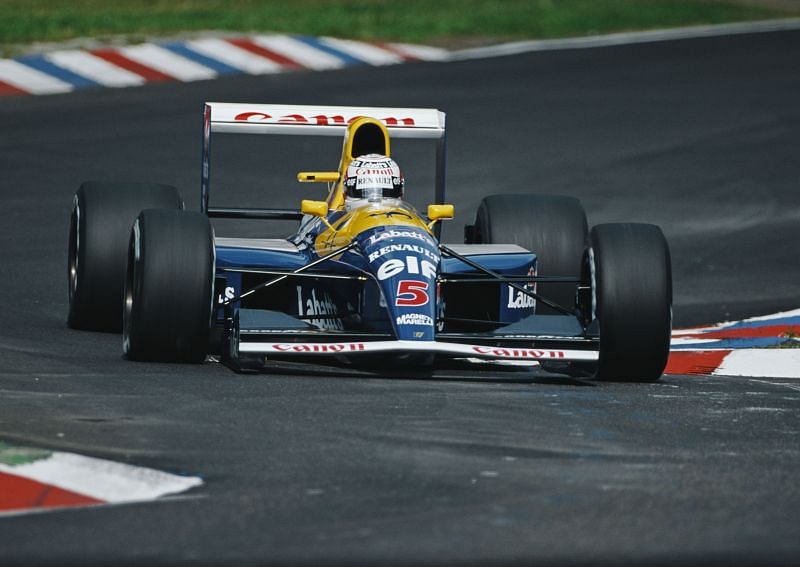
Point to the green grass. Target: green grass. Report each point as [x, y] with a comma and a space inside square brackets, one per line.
[25, 21]
[792, 341]
[14, 456]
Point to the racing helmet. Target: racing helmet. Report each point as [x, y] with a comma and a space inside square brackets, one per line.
[373, 177]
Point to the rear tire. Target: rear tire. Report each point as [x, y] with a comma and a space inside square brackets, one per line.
[169, 287]
[551, 226]
[632, 297]
[100, 224]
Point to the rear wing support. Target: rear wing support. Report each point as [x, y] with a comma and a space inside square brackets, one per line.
[302, 120]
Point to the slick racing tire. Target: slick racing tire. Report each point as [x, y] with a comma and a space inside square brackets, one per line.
[631, 280]
[552, 226]
[100, 224]
[169, 287]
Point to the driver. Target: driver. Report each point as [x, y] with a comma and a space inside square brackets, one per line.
[373, 179]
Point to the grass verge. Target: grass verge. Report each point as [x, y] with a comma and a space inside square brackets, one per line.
[436, 21]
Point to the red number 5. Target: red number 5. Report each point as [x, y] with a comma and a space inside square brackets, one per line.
[411, 292]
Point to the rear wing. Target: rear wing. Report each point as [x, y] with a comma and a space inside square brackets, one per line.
[303, 120]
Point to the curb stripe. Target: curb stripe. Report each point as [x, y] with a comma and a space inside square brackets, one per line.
[8, 89]
[236, 57]
[41, 63]
[167, 62]
[19, 493]
[770, 363]
[405, 56]
[32, 478]
[31, 80]
[692, 362]
[736, 331]
[789, 321]
[305, 54]
[252, 47]
[739, 348]
[368, 53]
[317, 43]
[95, 68]
[116, 58]
[419, 52]
[184, 51]
[756, 342]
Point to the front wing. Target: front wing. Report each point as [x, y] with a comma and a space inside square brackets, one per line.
[255, 336]
[454, 350]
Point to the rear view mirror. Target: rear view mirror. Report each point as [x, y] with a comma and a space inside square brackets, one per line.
[315, 208]
[438, 212]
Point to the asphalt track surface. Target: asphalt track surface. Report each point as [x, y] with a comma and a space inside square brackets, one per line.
[699, 136]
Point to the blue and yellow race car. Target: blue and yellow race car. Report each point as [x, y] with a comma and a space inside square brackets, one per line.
[366, 278]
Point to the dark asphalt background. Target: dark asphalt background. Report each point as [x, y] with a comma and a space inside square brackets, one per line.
[699, 136]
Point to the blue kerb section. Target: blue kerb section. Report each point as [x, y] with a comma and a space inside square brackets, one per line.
[218, 66]
[733, 344]
[39, 63]
[767, 323]
[317, 44]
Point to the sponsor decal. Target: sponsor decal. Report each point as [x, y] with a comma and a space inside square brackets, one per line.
[414, 319]
[229, 293]
[318, 304]
[318, 347]
[315, 120]
[394, 233]
[373, 165]
[518, 352]
[412, 264]
[519, 300]
[412, 293]
[421, 250]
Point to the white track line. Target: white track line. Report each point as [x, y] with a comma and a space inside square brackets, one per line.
[626, 38]
[31, 80]
[234, 56]
[94, 68]
[295, 50]
[167, 62]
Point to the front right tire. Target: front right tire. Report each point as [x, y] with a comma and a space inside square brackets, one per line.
[631, 282]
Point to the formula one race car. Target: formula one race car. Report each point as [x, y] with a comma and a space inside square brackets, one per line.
[365, 279]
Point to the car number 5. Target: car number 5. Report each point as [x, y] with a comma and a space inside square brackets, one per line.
[412, 293]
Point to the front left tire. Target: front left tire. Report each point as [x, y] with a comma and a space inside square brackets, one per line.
[169, 287]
